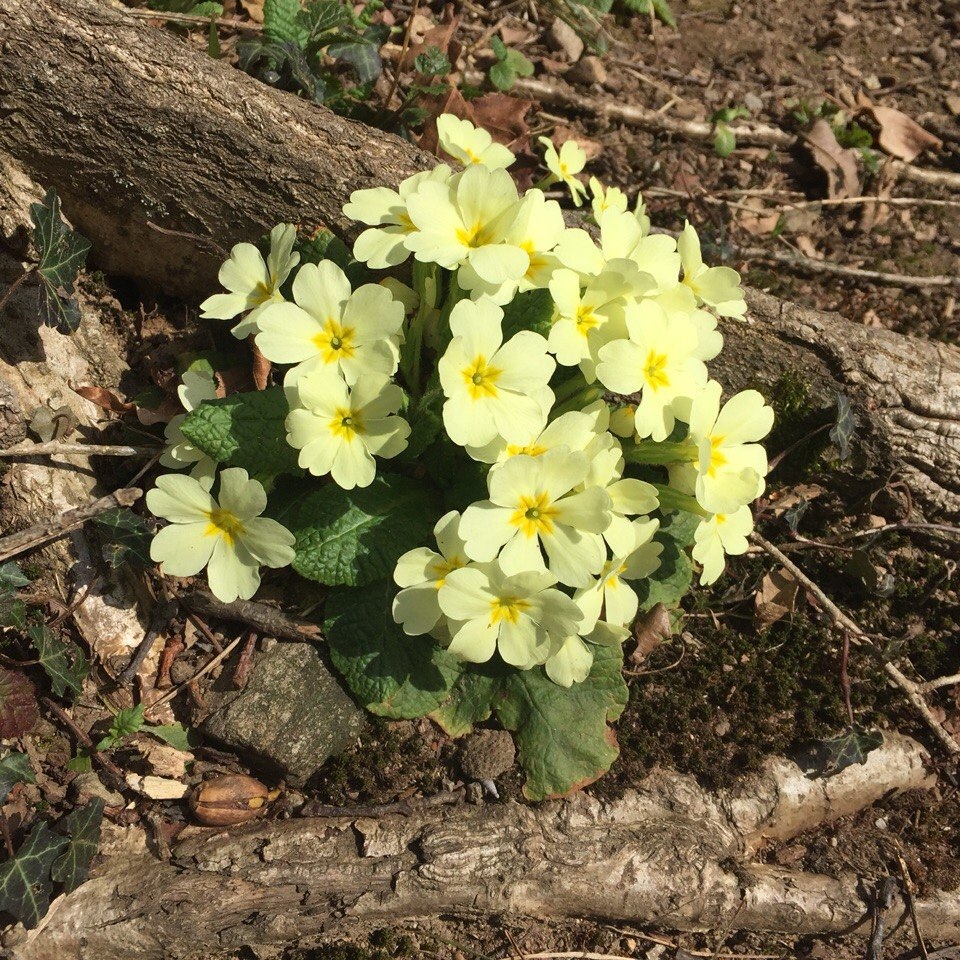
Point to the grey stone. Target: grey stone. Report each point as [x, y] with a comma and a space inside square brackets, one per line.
[291, 716]
[88, 786]
[588, 70]
[486, 754]
[562, 37]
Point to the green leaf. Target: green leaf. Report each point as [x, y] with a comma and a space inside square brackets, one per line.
[562, 736]
[245, 430]
[62, 254]
[14, 768]
[52, 653]
[845, 427]
[433, 62]
[502, 76]
[498, 47]
[176, 734]
[18, 704]
[25, 883]
[126, 538]
[391, 674]
[12, 577]
[472, 698]
[363, 54]
[724, 140]
[83, 827]
[320, 18]
[282, 24]
[672, 580]
[125, 723]
[532, 310]
[354, 537]
[849, 748]
[519, 64]
[426, 421]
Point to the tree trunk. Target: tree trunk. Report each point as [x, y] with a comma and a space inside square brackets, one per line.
[668, 853]
[143, 134]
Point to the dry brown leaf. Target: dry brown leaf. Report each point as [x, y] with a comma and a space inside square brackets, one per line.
[802, 491]
[650, 631]
[900, 136]
[106, 399]
[253, 9]
[807, 247]
[776, 598]
[839, 164]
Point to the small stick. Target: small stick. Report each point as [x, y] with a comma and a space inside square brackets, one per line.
[314, 809]
[403, 53]
[108, 765]
[911, 690]
[194, 18]
[162, 615]
[42, 533]
[264, 618]
[61, 449]
[241, 673]
[909, 892]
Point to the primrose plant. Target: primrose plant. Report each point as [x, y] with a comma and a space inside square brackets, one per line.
[497, 455]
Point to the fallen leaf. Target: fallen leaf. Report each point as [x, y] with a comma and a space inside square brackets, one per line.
[757, 220]
[802, 491]
[162, 759]
[776, 598]
[650, 631]
[838, 164]
[104, 398]
[900, 136]
[253, 9]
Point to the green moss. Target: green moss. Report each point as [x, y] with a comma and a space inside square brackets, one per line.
[796, 417]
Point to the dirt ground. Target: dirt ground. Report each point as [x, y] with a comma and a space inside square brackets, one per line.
[729, 689]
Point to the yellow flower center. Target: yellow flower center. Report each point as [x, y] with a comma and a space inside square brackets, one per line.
[717, 457]
[335, 341]
[403, 220]
[262, 292]
[655, 370]
[223, 523]
[613, 579]
[507, 608]
[441, 567]
[529, 449]
[721, 519]
[346, 424]
[474, 236]
[534, 515]
[586, 320]
[480, 378]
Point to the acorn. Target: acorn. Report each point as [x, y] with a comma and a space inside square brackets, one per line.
[229, 800]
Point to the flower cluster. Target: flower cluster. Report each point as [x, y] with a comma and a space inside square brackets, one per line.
[589, 429]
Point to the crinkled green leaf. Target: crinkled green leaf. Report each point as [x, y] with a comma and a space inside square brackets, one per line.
[563, 738]
[65, 672]
[433, 62]
[354, 537]
[125, 723]
[672, 580]
[391, 674]
[14, 768]
[25, 883]
[126, 538]
[62, 254]
[472, 698]
[532, 310]
[320, 19]
[502, 75]
[245, 430]
[282, 22]
[83, 828]
[18, 704]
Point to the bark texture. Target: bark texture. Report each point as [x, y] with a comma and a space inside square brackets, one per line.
[667, 853]
[138, 130]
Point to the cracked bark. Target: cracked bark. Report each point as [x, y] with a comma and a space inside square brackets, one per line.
[668, 853]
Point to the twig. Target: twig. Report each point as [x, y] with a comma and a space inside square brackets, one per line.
[194, 18]
[42, 533]
[403, 53]
[717, 197]
[911, 690]
[826, 266]
[162, 615]
[110, 768]
[909, 892]
[756, 134]
[881, 904]
[266, 619]
[60, 449]
[939, 682]
[314, 809]
[203, 671]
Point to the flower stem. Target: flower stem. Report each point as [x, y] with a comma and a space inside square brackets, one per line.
[663, 453]
[673, 499]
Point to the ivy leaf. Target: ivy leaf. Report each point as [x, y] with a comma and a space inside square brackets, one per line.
[14, 768]
[845, 427]
[282, 22]
[52, 653]
[391, 674]
[12, 577]
[126, 538]
[562, 736]
[362, 53]
[796, 513]
[62, 254]
[245, 430]
[13, 612]
[83, 827]
[18, 704]
[849, 748]
[532, 310]
[354, 537]
[25, 883]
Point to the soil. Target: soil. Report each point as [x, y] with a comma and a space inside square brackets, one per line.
[725, 692]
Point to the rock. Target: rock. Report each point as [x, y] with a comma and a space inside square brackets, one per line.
[487, 754]
[561, 36]
[88, 786]
[291, 716]
[588, 71]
